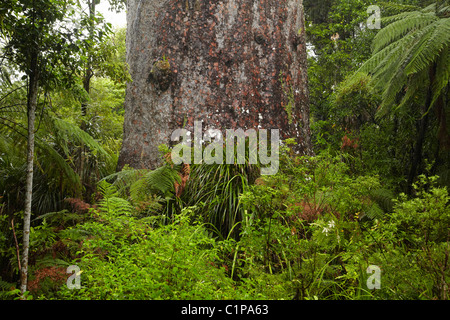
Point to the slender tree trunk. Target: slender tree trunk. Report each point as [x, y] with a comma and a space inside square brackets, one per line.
[87, 87]
[31, 110]
[232, 64]
[88, 70]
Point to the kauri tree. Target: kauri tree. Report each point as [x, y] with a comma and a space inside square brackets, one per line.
[230, 64]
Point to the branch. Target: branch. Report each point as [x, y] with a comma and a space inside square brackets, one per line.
[17, 244]
[4, 97]
[12, 106]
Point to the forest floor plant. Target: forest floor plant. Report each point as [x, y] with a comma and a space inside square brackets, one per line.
[309, 232]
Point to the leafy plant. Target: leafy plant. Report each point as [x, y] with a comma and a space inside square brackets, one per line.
[412, 45]
[215, 189]
[426, 217]
[112, 204]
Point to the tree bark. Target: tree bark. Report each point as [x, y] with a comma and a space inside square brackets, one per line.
[88, 74]
[422, 129]
[231, 64]
[31, 111]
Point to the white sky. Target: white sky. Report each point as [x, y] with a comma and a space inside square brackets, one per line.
[118, 20]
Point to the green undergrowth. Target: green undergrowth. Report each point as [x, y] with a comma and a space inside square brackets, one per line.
[309, 232]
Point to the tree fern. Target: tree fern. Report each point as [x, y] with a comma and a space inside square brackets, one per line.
[411, 44]
[56, 143]
[399, 25]
[435, 38]
[67, 133]
[442, 74]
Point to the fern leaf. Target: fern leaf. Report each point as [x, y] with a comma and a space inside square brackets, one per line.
[111, 203]
[55, 158]
[161, 180]
[75, 133]
[374, 212]
[107, 190]
[437, 38]
[122, 180]
[379, 59]
[116, 206]
[49, 261]
[383, 198]
[6, 286]
[442, 76]
[403, 24]
[414, 85]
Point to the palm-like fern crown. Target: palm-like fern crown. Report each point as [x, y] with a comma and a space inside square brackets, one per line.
[406, 49]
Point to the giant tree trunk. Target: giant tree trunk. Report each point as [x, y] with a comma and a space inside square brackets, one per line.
[231, 64]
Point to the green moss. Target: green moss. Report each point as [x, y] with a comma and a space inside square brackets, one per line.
[289, 92]
[288, 109]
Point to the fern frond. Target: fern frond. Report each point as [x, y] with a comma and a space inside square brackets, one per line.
[444, 10]
[76, 134]
[53, 158]
[112, 204]
[115, 206]
[161, 180]
[49, 261]
[391, 77]
[383, 198]
[414, 85]
[442, 77]
[74, 234]
[435, 39]
[107, 190]
[430, 8]
[379, 60]
[123, 179]
[398, 8]
[403, 24]
[374, 212]
[6, 286]
[381, 203]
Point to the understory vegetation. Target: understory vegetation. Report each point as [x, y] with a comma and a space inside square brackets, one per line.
[374, 196]
[309, 232]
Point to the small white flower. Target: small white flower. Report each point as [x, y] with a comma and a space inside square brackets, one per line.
[325, 230]
[331, 224]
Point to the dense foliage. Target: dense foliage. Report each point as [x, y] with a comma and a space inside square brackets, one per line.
[374, 194]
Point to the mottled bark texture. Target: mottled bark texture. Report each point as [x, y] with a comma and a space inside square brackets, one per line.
[231, 64]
